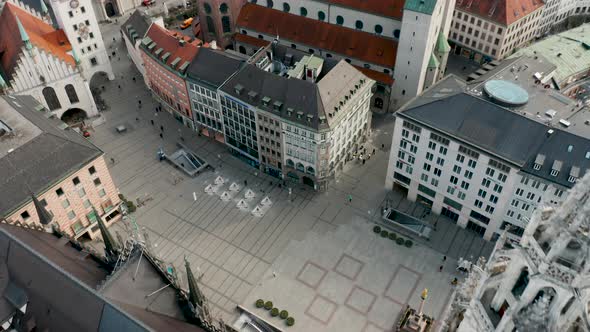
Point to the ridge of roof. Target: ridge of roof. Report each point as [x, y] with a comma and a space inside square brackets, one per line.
[344, 41]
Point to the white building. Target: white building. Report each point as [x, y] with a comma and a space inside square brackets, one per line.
[491, 30]
[310, 115]
[367, 34]
[132, 32]
[78, 20]
[539, 285]
[486, 159]
[105, 9]
[38, 60]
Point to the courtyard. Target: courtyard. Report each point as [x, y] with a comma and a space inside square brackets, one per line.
[313, 254]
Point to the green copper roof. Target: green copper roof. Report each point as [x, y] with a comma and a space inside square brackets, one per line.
[442, 45]
[43, 7]
[2, 82]
[23, 34]
[433, 62]
[75, 56]
[420, 6]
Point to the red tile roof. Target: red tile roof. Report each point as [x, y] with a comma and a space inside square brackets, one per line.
[376, 75]
[504, 12]
[389, 8]
[245, 39]
[347, 42]
[169, 41]
[41, 35]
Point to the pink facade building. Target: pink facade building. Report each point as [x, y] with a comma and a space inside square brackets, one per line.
[166, 56]
[218, 19]
[51, 175]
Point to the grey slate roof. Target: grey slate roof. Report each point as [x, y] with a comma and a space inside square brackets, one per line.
[298, 95]
[38, 163]
[56, 300]
[213, 67]
[139, 22]
[507, 134]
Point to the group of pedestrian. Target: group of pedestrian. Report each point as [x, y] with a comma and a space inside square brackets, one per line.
[455, 281]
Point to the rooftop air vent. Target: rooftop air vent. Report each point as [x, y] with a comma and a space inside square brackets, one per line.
[238, 88]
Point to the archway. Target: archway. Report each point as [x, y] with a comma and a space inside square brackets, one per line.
[242, 49]
[51, 98]
[308, 181]
[110, 9]
[229, 47]
[74, 117]
[99, 82]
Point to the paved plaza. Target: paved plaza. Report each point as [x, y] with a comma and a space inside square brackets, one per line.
[330, 270]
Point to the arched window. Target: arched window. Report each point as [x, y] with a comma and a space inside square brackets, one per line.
[242, 49]
[310, 170]
[290, 163]
[300, 167]
[223, 8]
[260, 37]
[366, 65]
[72, 95]
[378, 29]
[225, 25]
[286, 7]
[210, 25]
[269, 3]
[396, 33]
[386, 71]
[378, 103]
[347, 60]
[321, 15]
[358, 24]
[303, 11]
[339, 20]
[293, 46]
[51, 98]
[207, 8]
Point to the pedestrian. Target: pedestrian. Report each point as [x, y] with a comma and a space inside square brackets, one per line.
[137, 119]
[152, 121]
[114, 39]
[161, 128]
[440, 268]
[454, 282]
[349, 198]
[161, 136]
[119, 86]
[363, 161]
[383, 146]
[133, 78]
[245, 183]
[113, 160]
[373, 151]
[444, 258]
[139, 101]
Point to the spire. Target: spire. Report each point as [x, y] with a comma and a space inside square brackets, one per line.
[110, 245]
[44, 216]
[23, 34]
[195, 297]
[44, 9]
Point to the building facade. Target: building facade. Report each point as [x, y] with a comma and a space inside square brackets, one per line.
[78, 21]
[218, 18]
[166, 56]
[536, 285]
[492, 30]
[38, 60]
[53, 169]
[133, 31]
[206, 73]
[482, 182]
[296, 117]
[374, 33]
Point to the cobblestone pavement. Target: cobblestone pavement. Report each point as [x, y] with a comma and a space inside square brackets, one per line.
[235, 251]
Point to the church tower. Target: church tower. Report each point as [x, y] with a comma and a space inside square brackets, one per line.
[78, 20]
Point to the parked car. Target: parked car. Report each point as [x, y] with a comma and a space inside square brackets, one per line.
[148, 3]
[187, 23]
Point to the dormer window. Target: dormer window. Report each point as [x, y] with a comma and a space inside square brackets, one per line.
[322, 119]
[238, 88]
[556, 167]
[289, 111]
[539, 160]
[299, 115]
[266, 101]
[571, 179]
[277, 105]
[574, 174]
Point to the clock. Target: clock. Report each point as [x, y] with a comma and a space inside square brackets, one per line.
[74, 4]
[83, 30]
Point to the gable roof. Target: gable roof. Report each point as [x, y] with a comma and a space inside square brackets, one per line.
[346, 42]
[138, 22]
[41, 35]
[504, 12]
[47, 155]
[170, 43]
[213, 67]
[390, 8]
